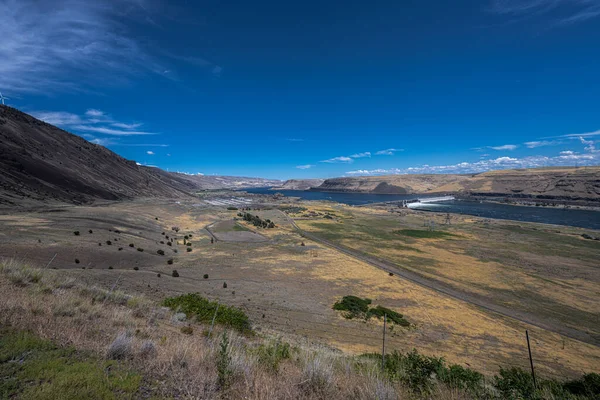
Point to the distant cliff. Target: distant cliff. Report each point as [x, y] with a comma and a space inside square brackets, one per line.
[555, 183]
[299, 184]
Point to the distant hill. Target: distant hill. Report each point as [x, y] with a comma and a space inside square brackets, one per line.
[212, 182]
[559, 183]
[42, 163]
[299, 184]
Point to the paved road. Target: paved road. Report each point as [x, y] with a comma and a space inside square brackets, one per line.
[471, 298]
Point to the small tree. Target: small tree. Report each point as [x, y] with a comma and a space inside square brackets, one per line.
[161, 252]
[175, 274]
[76, 233]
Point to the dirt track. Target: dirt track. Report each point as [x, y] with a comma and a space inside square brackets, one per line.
[445, 289]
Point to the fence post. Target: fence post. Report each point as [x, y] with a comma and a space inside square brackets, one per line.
[531, 360]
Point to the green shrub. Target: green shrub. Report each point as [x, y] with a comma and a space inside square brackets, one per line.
[158, 275]
[108, 242]
[77, 261]
[224, 371]
[140, 249]
[392, 315]
[514, 383]
[91, 231]
[186, 237]
[160, 252]
[120, 248]
[588, 385]
[354, 306]
[131, 245]
[136, 268]
[189, 249]
[459, 377]
[205, 276]
[110, 267]
[271, 354]
[203, 310]
[232, 208]
[76, 233]
[169, 244]
[224, 285]
[175, 274]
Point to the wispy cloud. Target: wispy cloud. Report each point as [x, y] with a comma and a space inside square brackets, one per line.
[586, 134]
[387, 152]
[561, 12]
[80, 45]
[566, 158]
[150, 153]
[341, 159]
[361, 155]
[307, 166]
[542, 143]
[504, 147]
[45, 44]
[294, 140]
[95, 121]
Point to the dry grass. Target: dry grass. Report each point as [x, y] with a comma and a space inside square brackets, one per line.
[148, 338]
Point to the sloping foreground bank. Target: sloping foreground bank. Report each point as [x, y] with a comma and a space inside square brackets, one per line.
[60, 336]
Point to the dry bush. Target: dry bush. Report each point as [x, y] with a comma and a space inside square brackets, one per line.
[121, 348]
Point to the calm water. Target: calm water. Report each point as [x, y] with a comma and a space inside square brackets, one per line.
[557, 216]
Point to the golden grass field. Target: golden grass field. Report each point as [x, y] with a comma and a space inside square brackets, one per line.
[290, 288]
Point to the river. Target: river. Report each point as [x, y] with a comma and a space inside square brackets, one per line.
[545, 215]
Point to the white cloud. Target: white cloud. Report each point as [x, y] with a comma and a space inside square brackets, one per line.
[561, 11]
[92, 121]
[542, 143]
[126, 126]
[151, 153]
[504, 147]
[307, 166]
[589, 145]
[387, 152]
[341, 159]
[578, 135]
[294, 140]
[58, 118]
[94, 113]
[361, 155]
[110, 131]
[567, 158]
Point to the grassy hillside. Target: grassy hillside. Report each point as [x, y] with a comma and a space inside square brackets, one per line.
[122, 346]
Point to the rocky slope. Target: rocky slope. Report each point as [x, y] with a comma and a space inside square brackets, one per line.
[42, 163]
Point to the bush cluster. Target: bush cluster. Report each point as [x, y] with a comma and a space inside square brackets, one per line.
[257, 221]
[196, 306]
[355, 307]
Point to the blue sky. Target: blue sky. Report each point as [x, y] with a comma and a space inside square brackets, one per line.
[313, 89]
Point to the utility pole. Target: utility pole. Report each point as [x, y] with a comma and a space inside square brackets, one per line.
[531, 360]
[383, 347]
